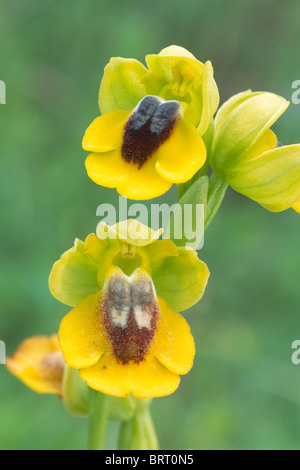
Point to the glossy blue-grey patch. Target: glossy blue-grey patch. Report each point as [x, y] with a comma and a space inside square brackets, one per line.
[143, 300]
[164, 115]
[144, 111]
[148, 127]
[119, 300]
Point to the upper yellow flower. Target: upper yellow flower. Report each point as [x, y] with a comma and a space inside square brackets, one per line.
[149, 134]
[124, 334]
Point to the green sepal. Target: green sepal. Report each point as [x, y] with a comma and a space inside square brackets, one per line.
[210, 98]
[74, 276]
[181, 280]
[121, 87]
[159, 251]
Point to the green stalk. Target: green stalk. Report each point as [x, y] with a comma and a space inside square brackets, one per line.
[99, 414]
[150, 432]
[138, 433]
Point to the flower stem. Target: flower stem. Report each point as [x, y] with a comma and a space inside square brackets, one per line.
[150, 432]
[216, 194]
[138, 433]
[99, 414]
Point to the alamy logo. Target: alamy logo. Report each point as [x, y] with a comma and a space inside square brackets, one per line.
[296, 353]
[2, 92]
[179, 222]
[296, 94]
[2, 352]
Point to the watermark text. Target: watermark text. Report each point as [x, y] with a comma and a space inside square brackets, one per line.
[296, 353]
[2, 352]
[296, 95]
[182, 223]
[2, 92]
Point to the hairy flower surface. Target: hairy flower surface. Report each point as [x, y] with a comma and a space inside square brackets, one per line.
[142, 153]
[39, 363]
[247, 155]
[124, 334]
[126, 340]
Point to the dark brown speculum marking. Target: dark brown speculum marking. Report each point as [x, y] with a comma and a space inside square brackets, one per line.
[149, 126]
[130, 312]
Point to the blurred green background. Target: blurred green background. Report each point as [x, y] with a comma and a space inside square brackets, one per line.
[243, 392]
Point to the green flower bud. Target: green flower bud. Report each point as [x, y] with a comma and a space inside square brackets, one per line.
[245, 153]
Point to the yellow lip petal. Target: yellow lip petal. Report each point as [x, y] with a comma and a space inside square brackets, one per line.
[105, 133]
[173, 345]
[107, 169]
[81, 334]
[182, 155]
[147, 379]
[143, 183]
[112, 171]
[171, 354]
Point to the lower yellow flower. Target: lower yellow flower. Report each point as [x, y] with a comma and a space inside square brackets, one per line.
[39, 363]
[126, 340]
[142, 153]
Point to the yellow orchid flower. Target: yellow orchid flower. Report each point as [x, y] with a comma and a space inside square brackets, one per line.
[149, 134]
[124, 334]
[39, 363]
[142, 153]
